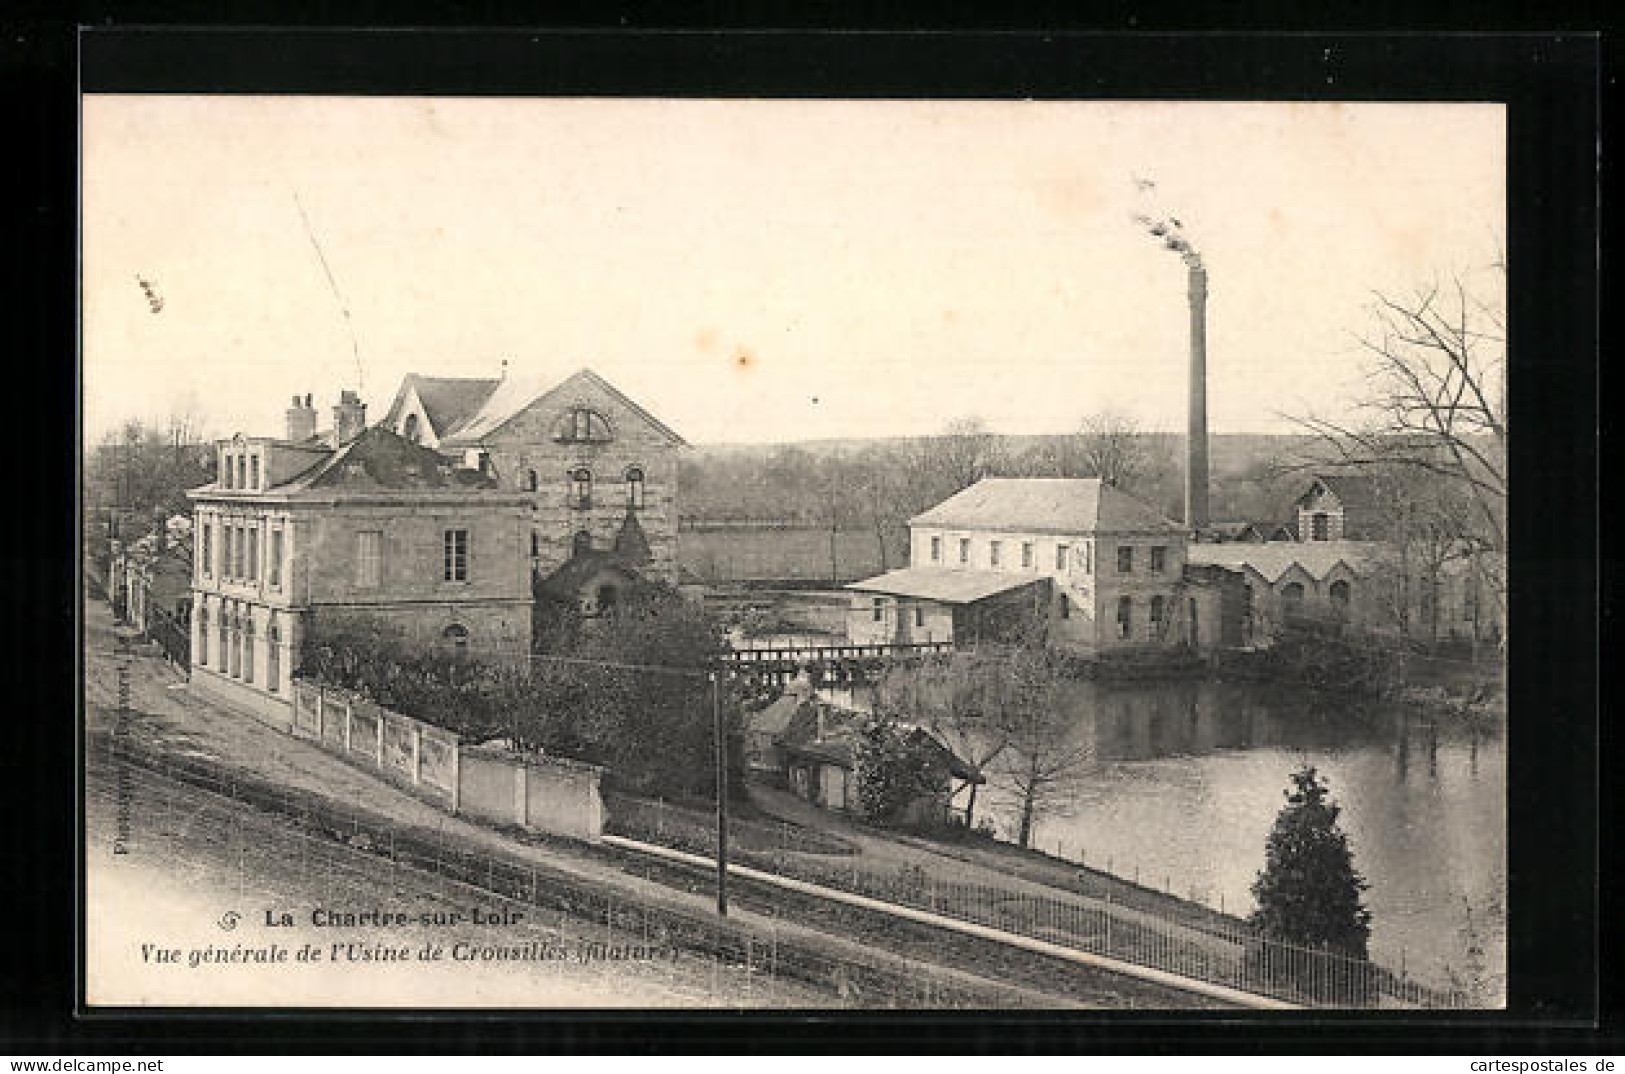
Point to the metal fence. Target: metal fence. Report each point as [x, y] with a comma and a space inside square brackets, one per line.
[1213, 950]
[694, 829]
[765, 951]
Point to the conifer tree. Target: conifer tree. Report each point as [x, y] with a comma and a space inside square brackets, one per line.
[1309, 891]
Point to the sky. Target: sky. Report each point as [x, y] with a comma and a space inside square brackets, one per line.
[763, 271]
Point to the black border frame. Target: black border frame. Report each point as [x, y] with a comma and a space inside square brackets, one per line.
[1550, 84]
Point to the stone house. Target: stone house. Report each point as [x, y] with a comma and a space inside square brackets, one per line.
[1341, 507]
[363, 523]
[1329, 581]
[585, 457]
[1107, 568]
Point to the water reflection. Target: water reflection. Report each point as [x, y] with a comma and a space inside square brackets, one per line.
[1185, 780]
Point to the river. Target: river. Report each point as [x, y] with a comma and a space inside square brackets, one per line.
[1183, 781]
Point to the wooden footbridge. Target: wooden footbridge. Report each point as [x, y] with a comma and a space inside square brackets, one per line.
[840, 659]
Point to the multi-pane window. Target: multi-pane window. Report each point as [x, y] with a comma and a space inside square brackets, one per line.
[1156, 612]
[275, 557]
[1026, 554]
[456, 639]
[1125, 616]
[936, 550]
[964, 550]
[368, 558]
[1060, 557]
[206, 561]
[879, 610]
[993, 553]
[1320, 526]
[1159, 559]
[1125, 559]
[456, 556]
[581, 488]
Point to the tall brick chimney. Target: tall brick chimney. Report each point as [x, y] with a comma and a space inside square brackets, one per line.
[301, 419]
[1196, 483]
[349, 418]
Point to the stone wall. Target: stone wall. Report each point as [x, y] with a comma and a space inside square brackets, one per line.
[528, 443]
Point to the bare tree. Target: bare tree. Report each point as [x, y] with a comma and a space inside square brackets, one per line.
[948, 694]
[965, 453]
[1437, 399]
[1043, 757]
[1111, 446]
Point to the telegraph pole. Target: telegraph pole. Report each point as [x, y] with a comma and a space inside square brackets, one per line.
[722, 794]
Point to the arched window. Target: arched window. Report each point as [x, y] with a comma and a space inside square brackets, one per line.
[1292, 597]
[581, 425]
[532, 482]
[410, 429]
[1156, 613]
[581, 544]
[1125, 617]
[273, 655]
[607, 596]
[1320, 526]
[202, 637]
[456, 639]
[248, 647]
[581, 488]
[1340, 592]
[634, 488]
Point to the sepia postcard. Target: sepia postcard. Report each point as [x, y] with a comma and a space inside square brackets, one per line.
[589, 552]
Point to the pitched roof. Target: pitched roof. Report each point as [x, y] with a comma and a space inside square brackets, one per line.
[516, 394]
[381, 459]
[566, 582]
[1272, 560]
[945, 585]
[631, 544]
[1062, 505]
[1356, 492]
[838, 745]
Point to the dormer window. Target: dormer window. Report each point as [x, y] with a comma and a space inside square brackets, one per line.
[582, 425]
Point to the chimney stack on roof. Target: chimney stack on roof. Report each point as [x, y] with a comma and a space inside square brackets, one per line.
[349, 418]
[301, 420]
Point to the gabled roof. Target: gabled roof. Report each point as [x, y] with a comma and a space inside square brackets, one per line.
[1063, 505]
[838, 746]
[448, 401]
[515, 395]
[1356, 492]
[945, 585]
[1315, 558]
[631, 543]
